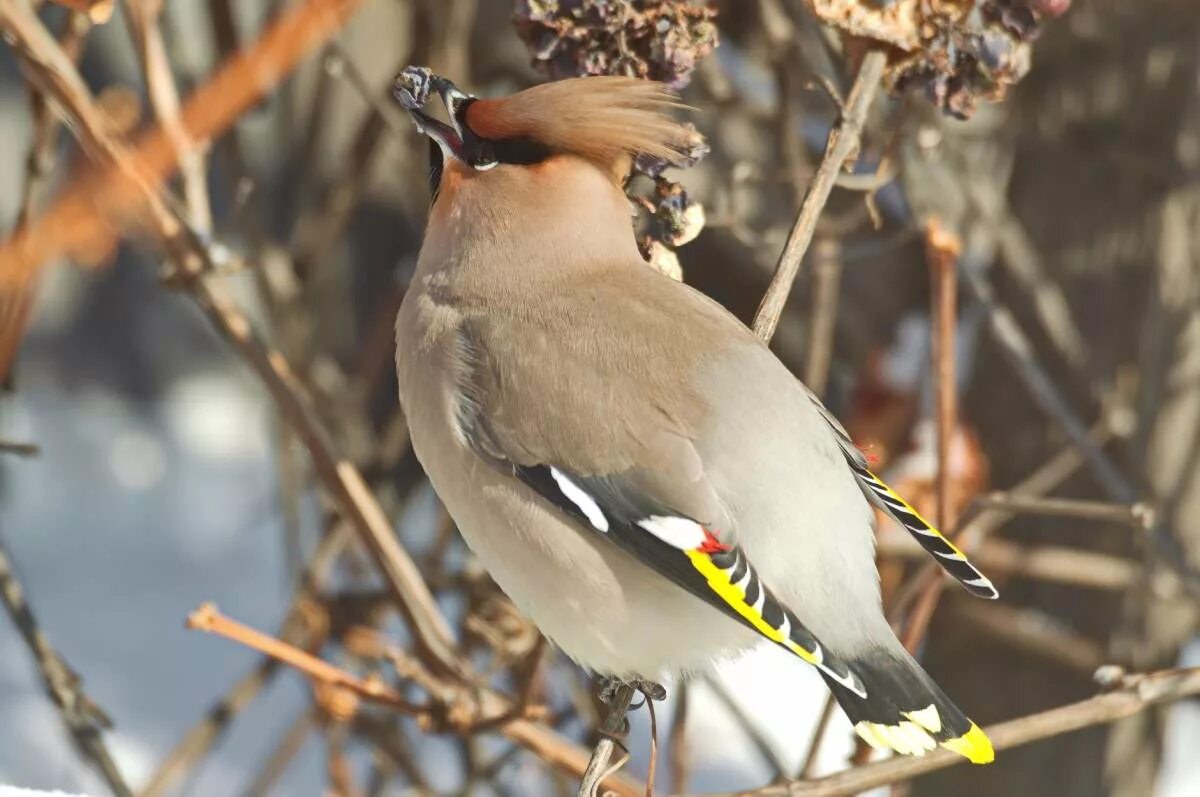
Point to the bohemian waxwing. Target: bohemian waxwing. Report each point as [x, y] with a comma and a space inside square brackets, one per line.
[637, 471]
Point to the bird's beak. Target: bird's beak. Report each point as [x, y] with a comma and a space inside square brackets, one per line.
[412, 88]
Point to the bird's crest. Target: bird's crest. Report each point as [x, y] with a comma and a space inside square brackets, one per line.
[603, 119]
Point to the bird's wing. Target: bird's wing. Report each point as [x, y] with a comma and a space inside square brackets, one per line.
[944, 552]
[599, 434]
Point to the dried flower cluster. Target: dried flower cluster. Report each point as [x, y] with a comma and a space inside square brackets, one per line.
[957, 52]
[654, 39]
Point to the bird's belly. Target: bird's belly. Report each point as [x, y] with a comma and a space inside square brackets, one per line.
[603, 608]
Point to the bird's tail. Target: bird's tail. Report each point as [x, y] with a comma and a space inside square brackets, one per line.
[905, 711]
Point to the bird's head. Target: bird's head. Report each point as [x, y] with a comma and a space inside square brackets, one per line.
[606, 121]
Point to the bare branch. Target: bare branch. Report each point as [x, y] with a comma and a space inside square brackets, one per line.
[614, 720]
[144, 16]
[1134, 694]
[842, 145]
[85, 720]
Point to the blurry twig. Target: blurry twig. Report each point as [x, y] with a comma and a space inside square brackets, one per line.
[16, 302]
[981, 525]
[283, 753]
[1132, 694]
[677, 745]
[1017, 348]
[144, 17]
[208, 619]
[942, 250]
[1042, 563]
[827, 275]
[340, 477]
[1138, 516]
[755, 733]
[126, 179]
[319, 226]
[809, 767]
[20, 449]
[1030, 631]
[294, 630]
[85, 720]
[842, 145]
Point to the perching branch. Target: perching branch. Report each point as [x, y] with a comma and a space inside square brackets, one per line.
[1134, 693]
[614, 719]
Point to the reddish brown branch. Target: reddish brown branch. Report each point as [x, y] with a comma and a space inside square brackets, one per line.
[208, 619]
[942, 249]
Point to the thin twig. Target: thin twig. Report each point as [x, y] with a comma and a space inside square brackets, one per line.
[208, 619]
[294, 630]
[144, 17]
[16, 301]
[20, 449]
[1030, 631]
[1015, 345]
[652, 768]
[1017, 348]
[282, 755]
[827, 278]
[193, 259]
[842, 145]
[809, 768]
[677, 743]
[85, 721]
[614, 721]
[751, 728]
[942, 249]
[973, 532]
[1134, 694]
[1040, 563]
[72, 224]
[1138, 516]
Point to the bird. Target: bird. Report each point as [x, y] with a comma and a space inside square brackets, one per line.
[636, 470]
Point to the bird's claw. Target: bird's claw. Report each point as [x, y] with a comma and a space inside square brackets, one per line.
[609, 687]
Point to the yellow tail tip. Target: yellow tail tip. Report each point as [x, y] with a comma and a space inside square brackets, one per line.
[974, 745]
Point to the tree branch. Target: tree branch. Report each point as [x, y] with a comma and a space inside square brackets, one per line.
[841, 147]
[1133, 694]
[83, 718]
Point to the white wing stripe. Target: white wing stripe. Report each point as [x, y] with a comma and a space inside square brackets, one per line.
[590, 509]
[678, 532]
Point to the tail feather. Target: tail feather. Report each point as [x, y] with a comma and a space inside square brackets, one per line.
[905, 711]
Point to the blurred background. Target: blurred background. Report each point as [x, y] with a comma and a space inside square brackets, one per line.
[146, 468]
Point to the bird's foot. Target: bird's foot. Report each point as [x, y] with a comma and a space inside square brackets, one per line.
[617, 695]
[610, 689]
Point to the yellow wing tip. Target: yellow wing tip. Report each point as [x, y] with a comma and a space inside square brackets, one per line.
[974, 745]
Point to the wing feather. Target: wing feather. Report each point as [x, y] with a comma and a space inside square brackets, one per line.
[944, 552]
[685, 552]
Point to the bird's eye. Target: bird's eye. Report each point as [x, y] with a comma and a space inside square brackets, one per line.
[484, 156]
